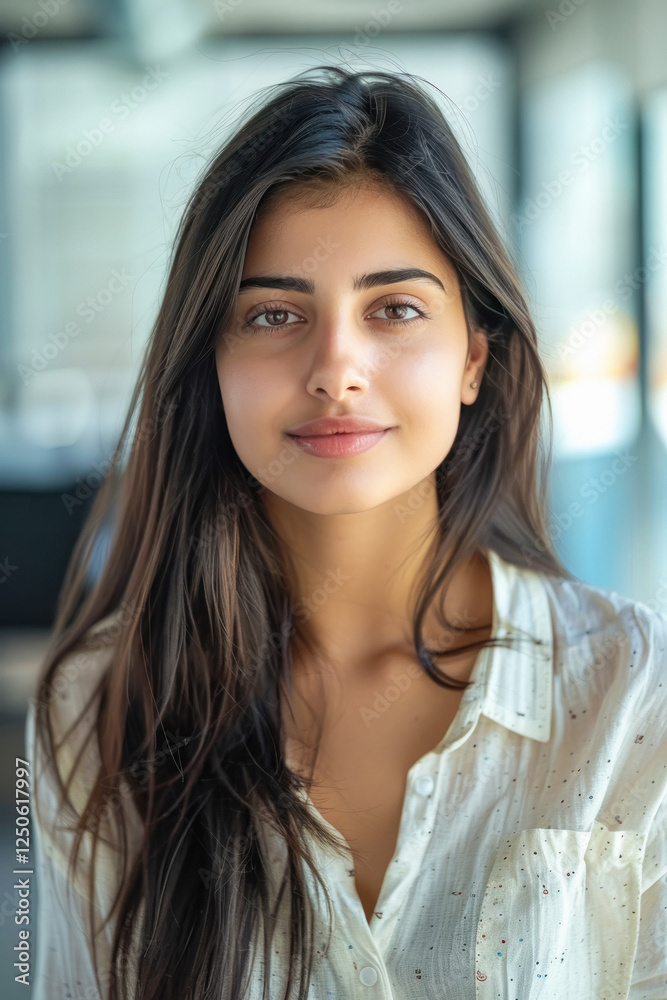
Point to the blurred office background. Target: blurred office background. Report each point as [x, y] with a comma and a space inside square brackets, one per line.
[108, 110]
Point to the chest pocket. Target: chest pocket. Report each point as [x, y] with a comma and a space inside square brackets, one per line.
[560, 916]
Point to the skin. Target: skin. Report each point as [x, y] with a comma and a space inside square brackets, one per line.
[361, 524]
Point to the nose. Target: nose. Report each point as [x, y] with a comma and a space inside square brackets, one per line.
[341, 359]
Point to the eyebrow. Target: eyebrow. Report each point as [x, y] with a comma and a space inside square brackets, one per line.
[288, 283]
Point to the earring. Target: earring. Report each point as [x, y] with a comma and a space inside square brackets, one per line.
[473, 385]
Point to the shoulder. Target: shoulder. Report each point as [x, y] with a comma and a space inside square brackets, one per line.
[582, 612]
[73, 761]
[91, 870]
[69, 705]
[612, 646]
[71, 696]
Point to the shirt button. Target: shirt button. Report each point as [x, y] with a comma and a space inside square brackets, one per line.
[424, 784]
[368, 976]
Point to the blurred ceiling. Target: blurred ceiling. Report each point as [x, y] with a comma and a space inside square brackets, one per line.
[71, 18]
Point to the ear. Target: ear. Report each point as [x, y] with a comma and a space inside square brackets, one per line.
[477, 355]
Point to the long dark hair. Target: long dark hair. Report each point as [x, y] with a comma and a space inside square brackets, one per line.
[200, 583]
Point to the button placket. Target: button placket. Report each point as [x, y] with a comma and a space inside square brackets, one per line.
[423, 790]
[368, 955]
[416, 822]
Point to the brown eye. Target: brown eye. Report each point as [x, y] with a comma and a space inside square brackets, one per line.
[400, 305]
[280, 313]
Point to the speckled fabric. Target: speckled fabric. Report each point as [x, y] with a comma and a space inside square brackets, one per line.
[531, 859]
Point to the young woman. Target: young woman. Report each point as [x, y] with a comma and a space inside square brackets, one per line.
[333, 720]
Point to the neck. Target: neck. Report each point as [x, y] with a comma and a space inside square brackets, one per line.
[357, 576]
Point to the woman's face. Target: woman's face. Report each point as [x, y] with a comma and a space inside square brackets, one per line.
[322, 329]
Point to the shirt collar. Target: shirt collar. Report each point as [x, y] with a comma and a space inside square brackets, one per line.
[516, 683]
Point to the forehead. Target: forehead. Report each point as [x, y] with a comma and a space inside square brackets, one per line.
[370, 220]
[338, 199]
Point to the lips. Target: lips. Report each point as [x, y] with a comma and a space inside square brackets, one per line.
[339, 445]
[337, 425]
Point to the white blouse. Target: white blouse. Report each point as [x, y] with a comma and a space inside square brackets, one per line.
[531, 859]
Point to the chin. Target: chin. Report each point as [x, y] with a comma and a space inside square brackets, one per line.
[328, 501]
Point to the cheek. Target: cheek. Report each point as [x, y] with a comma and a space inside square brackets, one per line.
[251, 399]
[429, 388]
